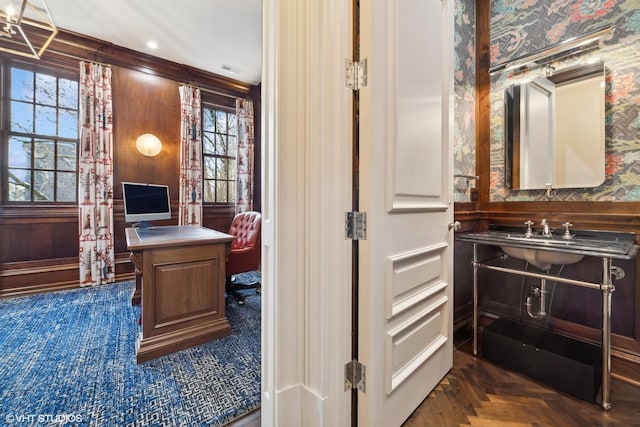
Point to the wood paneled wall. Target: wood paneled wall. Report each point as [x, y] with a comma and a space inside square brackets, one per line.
[605, 215]
[39, 245]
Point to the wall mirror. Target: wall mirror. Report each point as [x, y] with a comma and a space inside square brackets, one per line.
[555, 129]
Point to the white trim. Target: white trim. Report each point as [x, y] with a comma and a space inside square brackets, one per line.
[306, 190]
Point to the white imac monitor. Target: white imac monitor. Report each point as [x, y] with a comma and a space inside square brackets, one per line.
[144, 203]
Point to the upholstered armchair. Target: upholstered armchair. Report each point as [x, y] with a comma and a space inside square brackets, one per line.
[245, 253]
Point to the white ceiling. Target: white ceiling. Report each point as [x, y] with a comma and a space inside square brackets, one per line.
[205, 34]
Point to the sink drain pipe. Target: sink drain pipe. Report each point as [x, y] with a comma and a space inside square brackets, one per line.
[541, 293]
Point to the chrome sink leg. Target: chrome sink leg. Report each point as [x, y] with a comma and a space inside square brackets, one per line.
[607, 290]
[475, 299]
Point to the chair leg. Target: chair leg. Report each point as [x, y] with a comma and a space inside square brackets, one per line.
[233, 293]
[234, 289]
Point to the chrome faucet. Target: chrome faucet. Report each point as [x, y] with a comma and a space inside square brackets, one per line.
[529, 231]
[545, 228]
[567, 232]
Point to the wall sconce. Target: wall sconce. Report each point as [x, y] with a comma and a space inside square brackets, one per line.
[26, 27]
[148, 145]
[573, 46]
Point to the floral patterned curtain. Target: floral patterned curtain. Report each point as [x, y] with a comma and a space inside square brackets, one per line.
[190, 212]
[95, 173]
[246, 137]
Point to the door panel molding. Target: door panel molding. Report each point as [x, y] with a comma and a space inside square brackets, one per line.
[413, 277]
[414, 342]
[404, 205]
[414, 112]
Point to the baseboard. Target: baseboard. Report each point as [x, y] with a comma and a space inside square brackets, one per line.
[35, 277]
[52, 287]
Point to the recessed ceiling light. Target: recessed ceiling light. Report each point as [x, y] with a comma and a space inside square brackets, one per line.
[152, 45]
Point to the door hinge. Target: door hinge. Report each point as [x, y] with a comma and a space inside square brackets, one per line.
[355, 376]
[355, 226]
[356, 74]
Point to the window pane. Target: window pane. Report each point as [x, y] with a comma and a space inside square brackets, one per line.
[232, 125]
[209, 169]
[44, 154]
[68, 124]
[221, 196]
[43, 185]
[46, 92]
[232, 169]
[232, 192]
[209, 191]
[67, 156]
[19, 185]
[221, 145]
[21, 117]
[221, 122]
[66, 187]
[39, 167]
[207, 120]
[232, 146]
[221, 168]
[45, 120]
[20, 152]
[208, 145]
[68, 94]
[21, 85]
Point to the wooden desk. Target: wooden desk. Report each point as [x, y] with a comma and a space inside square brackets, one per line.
[183, 280]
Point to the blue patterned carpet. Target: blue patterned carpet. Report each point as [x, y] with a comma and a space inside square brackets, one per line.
[68, 358]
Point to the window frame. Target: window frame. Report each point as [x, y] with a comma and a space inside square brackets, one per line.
[218, 106]
[6, 67]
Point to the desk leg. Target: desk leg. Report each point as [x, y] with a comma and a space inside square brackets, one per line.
[136, 260]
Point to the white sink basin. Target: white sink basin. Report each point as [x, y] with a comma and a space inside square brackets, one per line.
[541, 258]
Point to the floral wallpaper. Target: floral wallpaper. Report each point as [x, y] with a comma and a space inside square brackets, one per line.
[520, 27]
[464, 150]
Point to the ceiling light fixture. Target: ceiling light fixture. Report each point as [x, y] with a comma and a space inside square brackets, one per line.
[152, 45]
[26, 27]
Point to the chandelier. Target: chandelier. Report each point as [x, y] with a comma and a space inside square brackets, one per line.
[26, 27]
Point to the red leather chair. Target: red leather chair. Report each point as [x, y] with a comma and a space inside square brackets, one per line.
[245, 253]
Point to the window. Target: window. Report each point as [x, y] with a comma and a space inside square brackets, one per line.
[219, 147]
[42, 137]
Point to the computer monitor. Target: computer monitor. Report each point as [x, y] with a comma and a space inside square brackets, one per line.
[144, 203]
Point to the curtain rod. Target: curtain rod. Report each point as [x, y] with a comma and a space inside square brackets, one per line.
[204, 89]
[79, 58]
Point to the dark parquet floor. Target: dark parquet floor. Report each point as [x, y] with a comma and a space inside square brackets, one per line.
[478, 393]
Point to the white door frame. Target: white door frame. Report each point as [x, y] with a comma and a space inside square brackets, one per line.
[306, 260]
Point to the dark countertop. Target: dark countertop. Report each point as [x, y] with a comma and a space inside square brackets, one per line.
[584, 242]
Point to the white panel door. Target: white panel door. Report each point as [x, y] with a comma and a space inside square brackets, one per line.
[405, 294]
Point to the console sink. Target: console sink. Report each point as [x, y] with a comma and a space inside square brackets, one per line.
[544, 251]
[541, 258]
